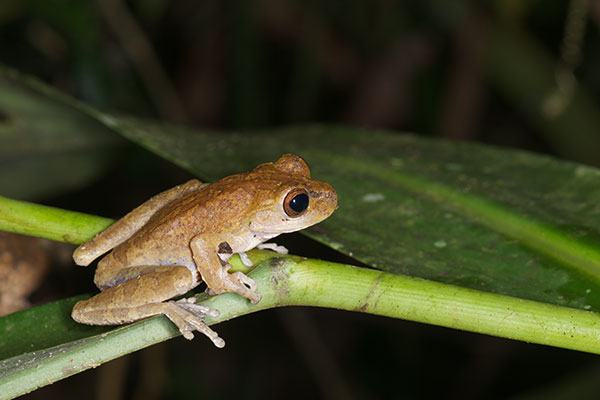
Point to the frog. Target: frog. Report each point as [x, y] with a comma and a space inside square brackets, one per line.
[186, 235]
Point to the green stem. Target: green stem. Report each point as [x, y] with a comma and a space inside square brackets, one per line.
[49, 222]
[326, 284]
[296, 281]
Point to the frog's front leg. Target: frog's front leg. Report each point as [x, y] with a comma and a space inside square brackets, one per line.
[262, 246]
[212, 262]
[145, 296]
[274, 247]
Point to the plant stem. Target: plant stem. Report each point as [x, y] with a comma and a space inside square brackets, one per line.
[296, 281]
[49, 222]
[325, 284]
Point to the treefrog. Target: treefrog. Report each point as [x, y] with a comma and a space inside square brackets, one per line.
[186, 235]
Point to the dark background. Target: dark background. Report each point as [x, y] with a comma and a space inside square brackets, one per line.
[457, 70]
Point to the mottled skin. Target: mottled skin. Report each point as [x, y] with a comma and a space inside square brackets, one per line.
[173, 241]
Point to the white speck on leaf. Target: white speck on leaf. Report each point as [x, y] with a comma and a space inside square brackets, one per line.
[373, 197]
[440, 244]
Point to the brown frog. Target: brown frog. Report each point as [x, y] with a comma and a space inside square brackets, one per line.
[187, 234]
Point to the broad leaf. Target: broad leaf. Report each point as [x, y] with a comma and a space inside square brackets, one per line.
[499, 221]
[47, 146]
[492, 219]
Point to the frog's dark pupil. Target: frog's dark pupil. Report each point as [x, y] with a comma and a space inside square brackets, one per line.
[299, 203]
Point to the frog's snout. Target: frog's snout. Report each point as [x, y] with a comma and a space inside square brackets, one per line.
[327, 201]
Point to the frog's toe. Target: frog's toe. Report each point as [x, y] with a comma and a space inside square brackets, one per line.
[188, 334]
[255, 298]
[197, 309]
[237, 282]
[189, 317]
[274, 247]
[246, 260]
[245, 280]
[201, 327]
[219, 342]
[246, 287]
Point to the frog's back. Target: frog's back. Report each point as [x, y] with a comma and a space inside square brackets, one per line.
[212, 209]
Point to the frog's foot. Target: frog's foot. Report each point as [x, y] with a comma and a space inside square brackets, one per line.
[197, 309]
[246, 260]
[189, 317]
[237, 282]
[270, 246]
[273, 246]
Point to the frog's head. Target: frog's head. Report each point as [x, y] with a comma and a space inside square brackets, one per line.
[294, 200]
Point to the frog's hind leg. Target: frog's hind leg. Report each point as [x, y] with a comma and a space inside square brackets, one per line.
[146, 296]
[124, 228]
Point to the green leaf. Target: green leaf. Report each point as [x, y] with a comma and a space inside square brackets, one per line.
[47, 146]
[507, 240]
[492, 219]
[47, 326]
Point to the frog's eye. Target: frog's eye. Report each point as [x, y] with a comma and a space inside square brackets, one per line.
[295, 203]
